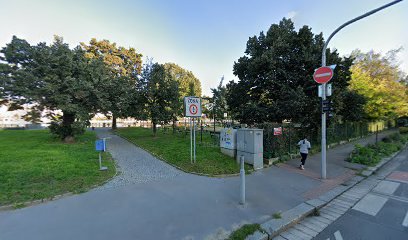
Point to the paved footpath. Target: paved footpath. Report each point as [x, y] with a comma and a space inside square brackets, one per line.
[152, 200]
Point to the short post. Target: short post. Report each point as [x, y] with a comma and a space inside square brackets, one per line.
[376, 134]
[242, 177]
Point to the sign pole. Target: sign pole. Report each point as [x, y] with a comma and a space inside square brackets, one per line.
[323, 172]
[194, 134]
[323, 161]
[191, 143]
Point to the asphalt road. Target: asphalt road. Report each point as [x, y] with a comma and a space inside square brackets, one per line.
[382, 213]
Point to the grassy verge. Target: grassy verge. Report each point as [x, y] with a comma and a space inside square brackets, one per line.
[34, 165]
[373, 153]
[244, 231]
[175, 149]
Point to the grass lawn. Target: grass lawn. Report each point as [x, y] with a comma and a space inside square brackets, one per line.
[34, 165]
[175, 149]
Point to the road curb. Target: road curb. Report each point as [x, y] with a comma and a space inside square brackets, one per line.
[274, 227]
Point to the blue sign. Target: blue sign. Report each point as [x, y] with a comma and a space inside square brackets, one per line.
[100, 145]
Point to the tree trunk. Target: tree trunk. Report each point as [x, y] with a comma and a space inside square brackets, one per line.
[154, 128]
[114, 122]
[174, 126]
[67, 120]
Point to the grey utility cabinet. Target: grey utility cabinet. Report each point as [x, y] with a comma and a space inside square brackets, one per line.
[250, 145]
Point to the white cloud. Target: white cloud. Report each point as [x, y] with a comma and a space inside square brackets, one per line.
[291, 14]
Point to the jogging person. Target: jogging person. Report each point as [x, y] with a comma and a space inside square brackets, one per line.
[304, 146]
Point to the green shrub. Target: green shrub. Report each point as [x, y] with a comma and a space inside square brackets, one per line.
[244, 231]
[403, 130]
[373, 153]
[387, 139]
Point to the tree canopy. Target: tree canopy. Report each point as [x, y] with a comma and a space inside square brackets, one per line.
[54, 77]
[124, 66]
[275, 76]
[380, 81]
[159, 94]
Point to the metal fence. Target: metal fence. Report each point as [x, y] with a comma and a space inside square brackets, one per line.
[285, 143]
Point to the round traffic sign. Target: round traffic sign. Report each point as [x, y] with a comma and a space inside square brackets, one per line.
[193, 109]
[323, 74]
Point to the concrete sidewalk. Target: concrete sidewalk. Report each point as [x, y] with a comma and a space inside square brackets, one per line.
[178, 206]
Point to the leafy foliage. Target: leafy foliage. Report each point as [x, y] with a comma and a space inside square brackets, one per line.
[159, 94]
[275, 77]
[219, 101]
[55, 78]
[124, 67]
[372, 154]
[379, 80]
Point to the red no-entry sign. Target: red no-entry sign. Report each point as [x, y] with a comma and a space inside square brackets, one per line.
[323, 74]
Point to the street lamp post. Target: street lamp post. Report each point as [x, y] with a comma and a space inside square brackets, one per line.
[323, 162]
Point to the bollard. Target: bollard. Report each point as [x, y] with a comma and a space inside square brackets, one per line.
[242, 176]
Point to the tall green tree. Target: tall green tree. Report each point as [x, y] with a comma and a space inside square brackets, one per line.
[56, 78]
[380, 81]
[219, 101]
[275, 76]
[159, 94]
[188, 85]
[124, 65]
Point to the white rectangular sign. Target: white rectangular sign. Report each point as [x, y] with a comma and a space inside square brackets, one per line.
[192, 106]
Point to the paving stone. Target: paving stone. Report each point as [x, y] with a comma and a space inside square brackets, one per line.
[342, 203]
[334, 210]
[338, 207]
[330, 213]
[349, 200]
[279, 238]
[306, 230]
[317, 203]
[328, 216]
[323, 220]
[273, 226]
[290, 236]
[352, 196]
[318, 227]
[257, 236]
[134, 164]
[299, 234]
[330, 195]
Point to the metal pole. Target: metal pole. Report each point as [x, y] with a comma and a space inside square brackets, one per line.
[100, 161]
[194, 139]
[242, 175]
[191, 144]
[323, 170]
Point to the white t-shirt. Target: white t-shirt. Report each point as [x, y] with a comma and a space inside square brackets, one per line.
[304, 146]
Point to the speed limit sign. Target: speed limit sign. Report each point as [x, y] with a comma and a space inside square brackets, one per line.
[192, 106]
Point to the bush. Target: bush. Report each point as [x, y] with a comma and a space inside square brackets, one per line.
[403, 130]
[63, 131]
[372, 154]
[387, 139]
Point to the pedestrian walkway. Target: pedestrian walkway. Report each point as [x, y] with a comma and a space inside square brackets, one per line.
[151, 200]
[380, 200]
[134, 165]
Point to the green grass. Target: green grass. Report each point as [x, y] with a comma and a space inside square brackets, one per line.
[175, 149]
[34, 165]
[244, 231]
[277, 215]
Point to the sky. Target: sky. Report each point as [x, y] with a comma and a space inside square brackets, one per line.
[202, 36]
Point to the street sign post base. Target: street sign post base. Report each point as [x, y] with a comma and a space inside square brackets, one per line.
[103, 168]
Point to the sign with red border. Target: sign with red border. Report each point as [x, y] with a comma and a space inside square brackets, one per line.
[323, 74]
[277, 131]
[192, 106]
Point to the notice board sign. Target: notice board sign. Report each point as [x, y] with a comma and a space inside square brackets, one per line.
[100, 145]
[192, 107]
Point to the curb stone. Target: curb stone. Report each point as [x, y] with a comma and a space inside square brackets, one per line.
[275, 227]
